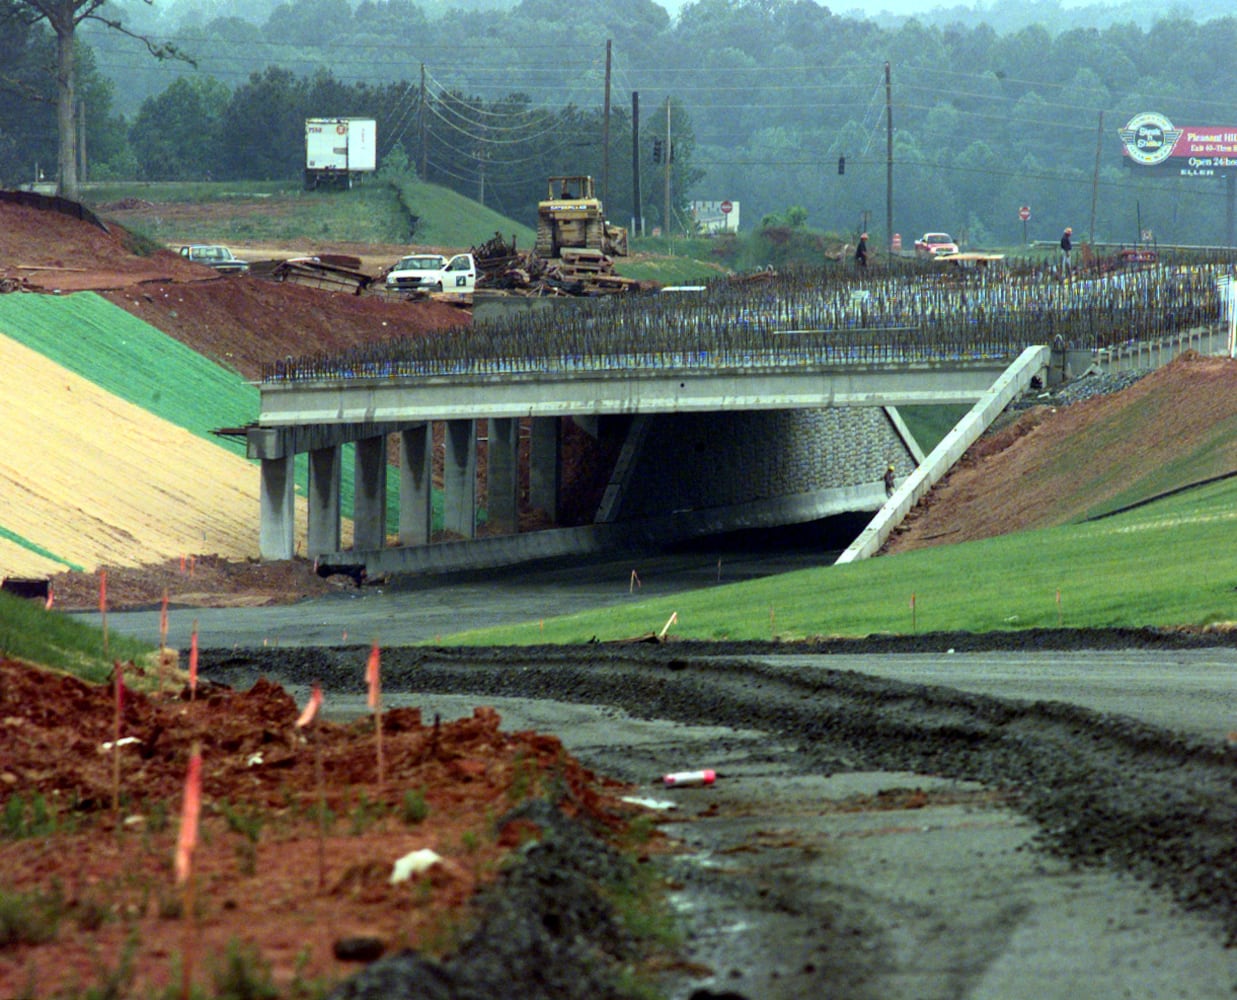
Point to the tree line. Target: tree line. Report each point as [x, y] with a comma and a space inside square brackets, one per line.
[774, 104]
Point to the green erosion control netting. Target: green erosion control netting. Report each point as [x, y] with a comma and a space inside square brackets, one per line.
[119, 353]
[38, 549]
[103, 344]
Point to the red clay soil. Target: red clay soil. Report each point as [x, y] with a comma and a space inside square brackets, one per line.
[197, 581]
[49, 251]
[244, 322]
[264, 874]
[240, 321]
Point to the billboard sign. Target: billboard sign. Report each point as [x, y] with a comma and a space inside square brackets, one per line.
[716, 216]
[1151, 140]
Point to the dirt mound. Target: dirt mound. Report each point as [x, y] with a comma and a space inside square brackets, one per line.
[50, 251]
[245, 323]
[1057, 465]
[264, 873]
[197, 581]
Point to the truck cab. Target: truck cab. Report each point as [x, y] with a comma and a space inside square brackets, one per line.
[220, 258]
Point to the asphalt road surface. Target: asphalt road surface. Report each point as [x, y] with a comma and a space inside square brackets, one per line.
[936, 818]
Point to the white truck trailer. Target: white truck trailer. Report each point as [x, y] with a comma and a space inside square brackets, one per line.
[338, 151]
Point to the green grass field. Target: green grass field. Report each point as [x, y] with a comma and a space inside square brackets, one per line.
[280, 211]
[1168, 563]
[31, 633]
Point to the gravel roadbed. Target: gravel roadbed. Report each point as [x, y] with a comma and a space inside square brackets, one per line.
[1103, 791]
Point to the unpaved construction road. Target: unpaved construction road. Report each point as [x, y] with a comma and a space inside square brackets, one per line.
[872, 838]
[1046, 815]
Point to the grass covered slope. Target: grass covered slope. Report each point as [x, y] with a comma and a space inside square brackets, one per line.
[280, 212]
[1169, 563]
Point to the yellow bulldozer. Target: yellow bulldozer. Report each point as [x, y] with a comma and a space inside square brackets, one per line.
[572, 216]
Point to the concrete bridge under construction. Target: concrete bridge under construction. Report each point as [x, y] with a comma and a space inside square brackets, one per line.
[702, 451]
[736, 410]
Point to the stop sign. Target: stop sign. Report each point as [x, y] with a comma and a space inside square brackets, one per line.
[1024, 212]
[726, 207]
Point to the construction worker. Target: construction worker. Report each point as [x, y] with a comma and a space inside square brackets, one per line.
[889, 482]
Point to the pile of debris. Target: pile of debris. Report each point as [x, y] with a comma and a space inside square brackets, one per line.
[334, 272]
[579, 271]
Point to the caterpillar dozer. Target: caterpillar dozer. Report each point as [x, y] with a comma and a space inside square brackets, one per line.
[572, 216]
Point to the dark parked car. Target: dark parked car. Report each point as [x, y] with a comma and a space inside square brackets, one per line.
[220, 258]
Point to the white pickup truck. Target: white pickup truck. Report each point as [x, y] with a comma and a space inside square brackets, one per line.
[432, 272]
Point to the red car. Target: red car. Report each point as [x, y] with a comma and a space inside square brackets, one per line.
[935, 245]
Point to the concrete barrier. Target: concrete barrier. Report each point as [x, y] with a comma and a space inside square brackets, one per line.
[1015, 380]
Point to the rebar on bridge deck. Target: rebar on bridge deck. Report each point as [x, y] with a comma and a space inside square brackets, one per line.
[800, 318]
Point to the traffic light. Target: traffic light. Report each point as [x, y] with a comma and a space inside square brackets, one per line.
[657, 151]
[841, 164]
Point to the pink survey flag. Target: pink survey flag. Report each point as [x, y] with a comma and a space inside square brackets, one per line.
[372, 670]
[193, 659]
[191, 810]
[311, 708]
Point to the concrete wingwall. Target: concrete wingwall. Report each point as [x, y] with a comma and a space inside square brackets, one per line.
[1032, 364]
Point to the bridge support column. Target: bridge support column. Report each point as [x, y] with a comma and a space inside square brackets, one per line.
[544, 465]
[459, 474]
[416, 452]
[325, 465]
[502, 480]
[277, 509]
[369, 501]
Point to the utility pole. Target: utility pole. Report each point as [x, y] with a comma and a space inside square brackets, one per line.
[1095, 181]
[888, 162]
[81, 141]
[605, 134]
[421, 126]
[665, 157]
[637, 216]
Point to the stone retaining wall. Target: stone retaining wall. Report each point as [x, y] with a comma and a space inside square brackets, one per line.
[699, 461]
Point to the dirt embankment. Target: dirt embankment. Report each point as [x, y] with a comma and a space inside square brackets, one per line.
[1054, 465]
[78, 485]
[303, 823]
